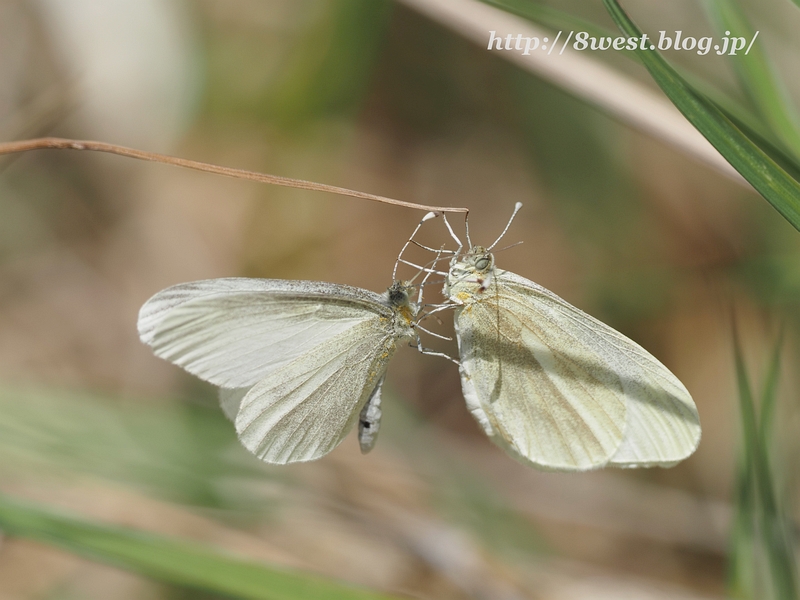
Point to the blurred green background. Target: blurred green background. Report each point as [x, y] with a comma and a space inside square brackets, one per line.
[374, 96]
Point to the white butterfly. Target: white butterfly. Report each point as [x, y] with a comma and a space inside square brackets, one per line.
[298, 362]
[555, 387]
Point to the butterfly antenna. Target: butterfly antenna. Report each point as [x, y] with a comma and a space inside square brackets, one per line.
[517, 206]
[427, 217]
[504, 248]
[437, 282]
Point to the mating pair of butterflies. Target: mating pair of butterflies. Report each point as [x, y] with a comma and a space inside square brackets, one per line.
[298, 363]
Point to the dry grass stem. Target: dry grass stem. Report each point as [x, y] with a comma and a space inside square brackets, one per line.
[65, 144]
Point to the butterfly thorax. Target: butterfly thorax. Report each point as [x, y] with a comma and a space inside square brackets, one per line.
[398, 297]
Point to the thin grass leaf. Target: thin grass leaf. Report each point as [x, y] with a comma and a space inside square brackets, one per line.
[757, 75]
[756, 494]
[742, 556]
[775, 527]
[746, 403]
[742, 574]
[770, 393]
[763, 173]
[171, 561]
[764, 140]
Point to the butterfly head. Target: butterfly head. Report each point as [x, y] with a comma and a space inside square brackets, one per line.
[471, 274]
[479, 261]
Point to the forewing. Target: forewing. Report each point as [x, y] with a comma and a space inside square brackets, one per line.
[156, 308]
[662, 425]
[307, 408]
[233, 332]
[538, 387]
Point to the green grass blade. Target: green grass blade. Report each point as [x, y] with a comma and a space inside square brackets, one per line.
[757, 75]
[742, 557]
[746, 402]
[756, 492]
[170, 561]
[776, 529]
[742, 562]
[765, 141]
[770, 394]
[763, 173]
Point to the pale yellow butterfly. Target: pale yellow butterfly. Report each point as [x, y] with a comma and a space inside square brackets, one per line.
[553, 386]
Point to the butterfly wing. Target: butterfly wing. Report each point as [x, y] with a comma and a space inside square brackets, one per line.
[232, 332]
[230, 400]
[296, 361]
[304, 410]
[663, 426]
[591, 395]
[540, 392]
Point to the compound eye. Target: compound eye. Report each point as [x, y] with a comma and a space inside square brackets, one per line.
[482, 263]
